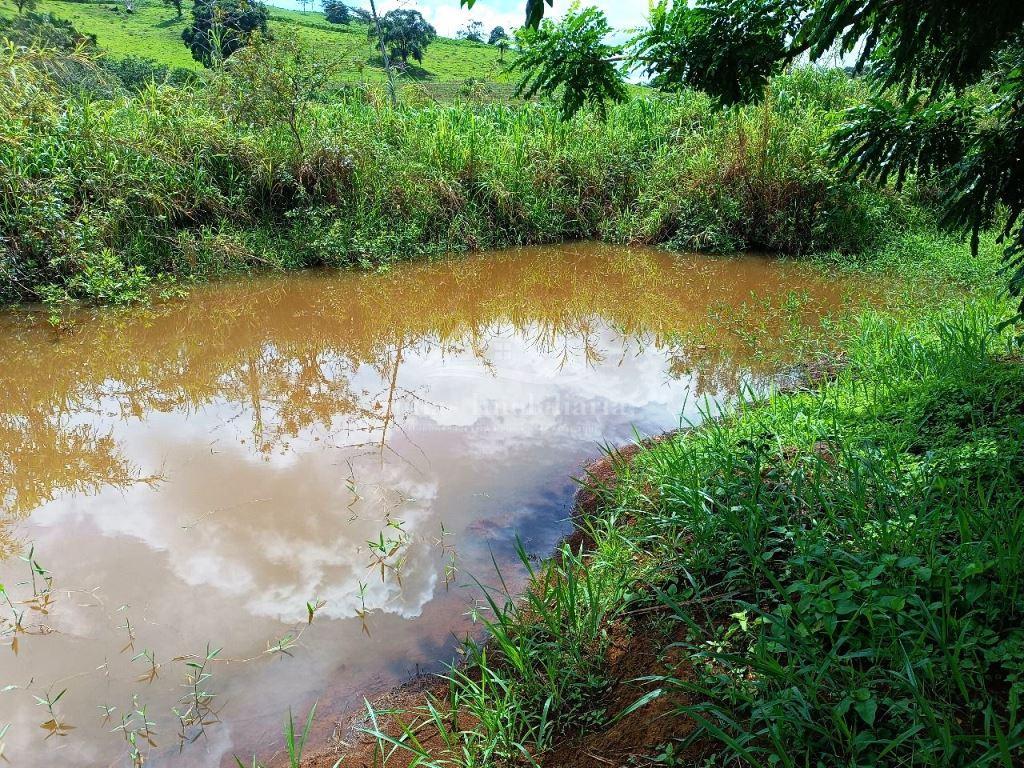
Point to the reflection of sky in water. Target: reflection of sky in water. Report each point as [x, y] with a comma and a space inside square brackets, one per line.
[293, 535]
[283, 454]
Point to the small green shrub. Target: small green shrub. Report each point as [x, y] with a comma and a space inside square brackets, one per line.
[136, 73]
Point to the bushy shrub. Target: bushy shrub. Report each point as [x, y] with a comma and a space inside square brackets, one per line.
[44, 30]
[135, 73]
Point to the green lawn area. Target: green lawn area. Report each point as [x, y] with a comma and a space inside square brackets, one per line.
[154, 31]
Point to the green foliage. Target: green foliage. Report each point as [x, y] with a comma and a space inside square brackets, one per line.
[940, 48]
[538, 678]
[863, 547]
[136, 73]
[153, 31]
[221, 27]
[498, 34]
[930, 50]
[37, 30]
[264, 167]
[405, 33]
[572, 59]
[922, 43]
[272, 82]
[760, 179]
[729, 48]
[337, 12]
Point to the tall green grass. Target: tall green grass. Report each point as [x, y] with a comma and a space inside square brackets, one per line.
[839, 575]
[865, 542]
[101, 198]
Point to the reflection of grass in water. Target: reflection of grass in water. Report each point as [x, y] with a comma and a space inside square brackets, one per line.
[294, 742]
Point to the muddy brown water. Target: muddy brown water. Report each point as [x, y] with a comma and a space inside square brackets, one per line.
[190, 476]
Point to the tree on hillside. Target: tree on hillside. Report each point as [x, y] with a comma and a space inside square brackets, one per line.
[571, 60]
[25, 5]
[405, 33]
[473, 30]
[921, 56]
[336, 12]
[177, 5]
[221, 27]
[497, 35]
[500, 39]
[361, 15]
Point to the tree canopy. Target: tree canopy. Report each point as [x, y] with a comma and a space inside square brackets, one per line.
[728, 49]
[273, 82]
[571, 60]
[497, 35]
[337, 12]
[405, 33]
[221, 27]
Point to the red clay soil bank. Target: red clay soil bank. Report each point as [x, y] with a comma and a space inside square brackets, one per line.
[632, 654]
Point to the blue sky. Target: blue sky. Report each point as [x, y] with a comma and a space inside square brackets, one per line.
[448, 16]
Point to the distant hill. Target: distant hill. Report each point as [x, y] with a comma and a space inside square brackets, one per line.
[153, 30]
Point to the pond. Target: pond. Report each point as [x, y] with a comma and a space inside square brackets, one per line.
[196, 478]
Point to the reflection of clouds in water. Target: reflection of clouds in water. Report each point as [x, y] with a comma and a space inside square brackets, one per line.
[290, 539]
[493, 379]
[270, 553]
[531, 392]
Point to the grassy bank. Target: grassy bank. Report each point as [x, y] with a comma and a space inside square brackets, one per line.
[832, 577]
[102, 197]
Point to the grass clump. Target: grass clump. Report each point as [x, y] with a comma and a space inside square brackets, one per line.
[837, 575]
